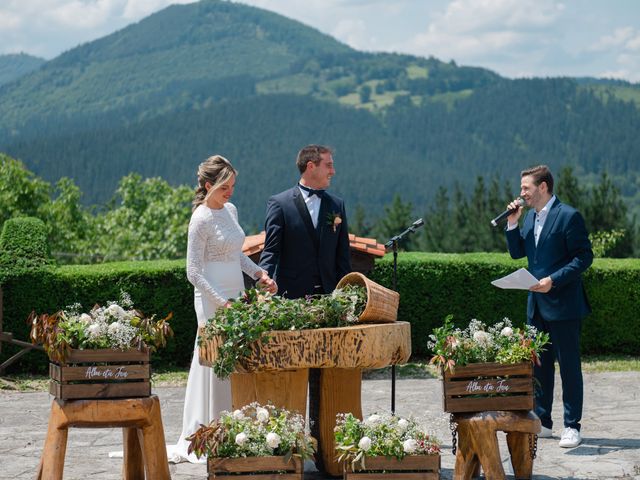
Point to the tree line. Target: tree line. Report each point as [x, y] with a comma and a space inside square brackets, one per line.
[147, 218]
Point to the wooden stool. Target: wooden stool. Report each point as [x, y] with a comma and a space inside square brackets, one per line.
[478, 443]
[143, 434]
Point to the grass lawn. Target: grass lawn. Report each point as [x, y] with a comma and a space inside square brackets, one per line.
[418, 369]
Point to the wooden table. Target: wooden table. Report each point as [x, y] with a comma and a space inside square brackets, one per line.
[278, 371]
[143, 434]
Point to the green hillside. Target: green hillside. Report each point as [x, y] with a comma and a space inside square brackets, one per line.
[14, 66]
[216, 77]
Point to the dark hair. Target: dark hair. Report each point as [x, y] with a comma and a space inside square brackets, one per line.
[216, 170]
[311, 153]
[540, 174]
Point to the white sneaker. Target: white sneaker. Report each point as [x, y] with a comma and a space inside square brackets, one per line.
[570, 438]
[545, 432]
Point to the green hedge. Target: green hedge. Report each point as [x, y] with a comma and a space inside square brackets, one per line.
[431, 286]
[434, 285]
[23, 246]
[158, 287]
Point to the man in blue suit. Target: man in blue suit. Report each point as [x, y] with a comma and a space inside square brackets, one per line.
[306, 249]
[555, 241]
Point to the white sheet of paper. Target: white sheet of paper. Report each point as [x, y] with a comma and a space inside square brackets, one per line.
[521, 279]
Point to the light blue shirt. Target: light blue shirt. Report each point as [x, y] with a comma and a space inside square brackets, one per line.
[313, 205]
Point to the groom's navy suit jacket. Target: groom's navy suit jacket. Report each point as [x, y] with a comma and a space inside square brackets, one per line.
[563, 253]
[296, 255]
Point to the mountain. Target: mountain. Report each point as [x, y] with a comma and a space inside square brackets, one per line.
[14, 66]
[216, 77]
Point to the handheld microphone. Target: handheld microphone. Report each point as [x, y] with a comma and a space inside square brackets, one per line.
[508, 212]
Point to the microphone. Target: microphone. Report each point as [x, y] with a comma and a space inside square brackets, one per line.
[508, 212]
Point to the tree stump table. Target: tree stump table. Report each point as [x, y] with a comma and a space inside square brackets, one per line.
[277, 371]
[478, 443]
[143, 434]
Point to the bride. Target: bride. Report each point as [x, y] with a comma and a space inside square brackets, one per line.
[215, 263]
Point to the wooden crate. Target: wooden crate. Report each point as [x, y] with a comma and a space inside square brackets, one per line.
[479, 387]
[412, 467]
[255, 468]
[101, 373]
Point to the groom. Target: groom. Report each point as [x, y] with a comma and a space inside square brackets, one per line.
[306, 249]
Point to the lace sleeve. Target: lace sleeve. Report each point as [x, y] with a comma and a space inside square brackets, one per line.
[196, 244]
[247, 265]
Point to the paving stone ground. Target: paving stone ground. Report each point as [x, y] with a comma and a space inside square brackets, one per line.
[611, 431]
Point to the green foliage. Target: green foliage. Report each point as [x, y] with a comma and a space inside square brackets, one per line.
[21, 192]
[380, 435]
[159, 287]
[249, 318]
[603, 242]
[23, 247]
[14, 66]
[433, 285]
[478, 344]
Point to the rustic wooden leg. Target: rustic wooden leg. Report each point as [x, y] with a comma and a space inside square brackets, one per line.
[286, 389]
[55, 446]
[133, 463]
[485, 444]
[340, 392]
[153, 445]
[521, 460]
[467, 465]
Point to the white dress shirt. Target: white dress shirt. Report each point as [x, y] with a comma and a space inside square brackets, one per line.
[541, 218]
[313, 205]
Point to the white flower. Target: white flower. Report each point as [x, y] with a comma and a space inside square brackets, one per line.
[94, 330]
[403, 424]
[364, 443]
[241, 439]
[507, 332]
[262, 414]
[410, 445]
[114, 328]
[115, 310]
[85, 318]
[238, 415]
[373, 420]
[273, 439]
[481, 337]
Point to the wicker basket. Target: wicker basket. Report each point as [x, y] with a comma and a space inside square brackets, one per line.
[382, 303]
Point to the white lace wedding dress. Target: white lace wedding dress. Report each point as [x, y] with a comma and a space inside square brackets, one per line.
[215, 263]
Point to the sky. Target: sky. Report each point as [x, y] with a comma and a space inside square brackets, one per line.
[515, 38]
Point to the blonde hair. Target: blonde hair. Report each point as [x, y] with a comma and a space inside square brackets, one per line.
[216, 170]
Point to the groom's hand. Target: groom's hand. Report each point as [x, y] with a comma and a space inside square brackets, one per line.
[267, 283]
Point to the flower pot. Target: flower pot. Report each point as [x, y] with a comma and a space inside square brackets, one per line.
[382, 303]
[101, 373]
[254, 468]
[411, 467]
[479, 387]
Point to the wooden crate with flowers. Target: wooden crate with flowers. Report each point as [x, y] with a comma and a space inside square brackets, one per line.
[385, 446]
[101, 354]
[256, 442]
[487, 368]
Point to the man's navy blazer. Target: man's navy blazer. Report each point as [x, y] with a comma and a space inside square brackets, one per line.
[296, 253]
[563, 253]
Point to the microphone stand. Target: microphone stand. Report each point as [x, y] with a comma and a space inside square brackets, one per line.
[393, 244]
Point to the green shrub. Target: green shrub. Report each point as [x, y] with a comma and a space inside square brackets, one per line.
[433, 285]
[23, 246]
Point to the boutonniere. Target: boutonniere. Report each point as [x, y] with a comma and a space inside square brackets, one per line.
[334, 219]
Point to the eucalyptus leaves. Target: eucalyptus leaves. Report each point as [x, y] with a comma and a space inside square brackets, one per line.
[252, 316]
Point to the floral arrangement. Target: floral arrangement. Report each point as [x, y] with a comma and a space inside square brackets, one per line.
[117, 326]
[249, 319]
[334, 220]
[254, 431]
[501, 343]
[381, 435]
